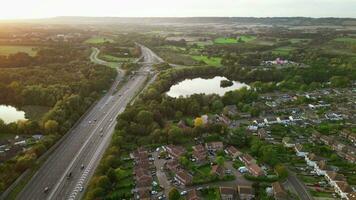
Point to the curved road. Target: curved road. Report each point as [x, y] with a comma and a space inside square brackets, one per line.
[87, 142]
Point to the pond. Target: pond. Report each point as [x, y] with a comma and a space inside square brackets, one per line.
[10, 114]
[203, 86]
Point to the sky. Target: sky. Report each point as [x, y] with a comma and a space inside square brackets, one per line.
[20, 9]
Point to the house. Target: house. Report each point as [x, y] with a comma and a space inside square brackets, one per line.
[230, 110]
[255, 170]
[332, 177]
[227, 193]
[299, 150]
[173, 165]
[247, 159]
[338, 146]
[217, 170]
[352, 138]
[143, 194]
[350, 157]
[221, 119]
[245, 192]
[214, 146]
[342, 188]
[205, 119]
[326, 140]
[233, 152]
[192, 195]
[279, 192]
[199, 153]
[345, 133]
[270, 120]
[316, 136]
[143, 181]
[182, 125]
[183, 178]
[175, 151]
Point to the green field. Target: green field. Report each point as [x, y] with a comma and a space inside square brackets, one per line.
[201, 43]
[98, 40]
[211, 61]
[283, 50]
[110, 58]
[346, 40]
[12, 49]
[224, 40]
[299, 40]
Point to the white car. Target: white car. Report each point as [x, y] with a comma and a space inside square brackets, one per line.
[184, 192]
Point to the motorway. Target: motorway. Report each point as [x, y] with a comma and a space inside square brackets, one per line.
[299, 187]
[87, 142]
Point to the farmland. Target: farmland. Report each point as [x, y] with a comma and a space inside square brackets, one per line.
[224, 40]
[7, 50]
[211, 61]
[98, 40]
[283, 50]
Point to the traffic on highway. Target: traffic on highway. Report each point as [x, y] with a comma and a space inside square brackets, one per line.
[67, 171]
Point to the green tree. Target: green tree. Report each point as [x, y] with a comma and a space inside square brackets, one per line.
[51, 126]
[281, 171]
[174, 194]
[145, 117]
[220, 160]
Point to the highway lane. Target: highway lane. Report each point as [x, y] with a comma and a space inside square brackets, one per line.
[298, 186]
[85, 144]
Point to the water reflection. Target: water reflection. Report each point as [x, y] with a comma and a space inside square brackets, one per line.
[206, 86]
[10, 114]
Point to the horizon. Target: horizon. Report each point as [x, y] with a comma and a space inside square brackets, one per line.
[40, 9]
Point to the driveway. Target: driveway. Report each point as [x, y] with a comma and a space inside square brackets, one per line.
[161, 176]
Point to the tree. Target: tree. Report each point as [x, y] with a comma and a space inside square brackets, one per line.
[145, 117]
[51, 126]
[174, 194]
[112, 175]
[220, 160]
[281, 171]
[198, 122]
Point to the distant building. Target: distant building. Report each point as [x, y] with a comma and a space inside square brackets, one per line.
[233, 152]
[245, 192]
[192, 195]
[227, 193]
[279, 192]
[214, 146]
[183, 178]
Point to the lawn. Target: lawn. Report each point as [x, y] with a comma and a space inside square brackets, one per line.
[283, 50]
[225, 40]
[110, 58]
[12, 49]
[98, 40]
[211, 61]
[321, 194]
[202, 43]
[346, 40]
[210, 194]
[298, 40]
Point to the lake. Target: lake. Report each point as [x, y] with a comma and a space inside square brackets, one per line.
[202, 86]
[11, 114]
